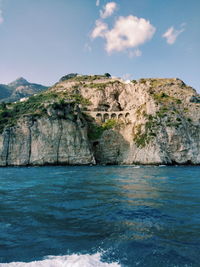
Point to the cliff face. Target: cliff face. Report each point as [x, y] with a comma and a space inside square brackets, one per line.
[43, 140]
[93, 119]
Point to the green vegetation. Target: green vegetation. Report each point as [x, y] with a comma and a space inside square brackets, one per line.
[163, 98]
[37, 106]
[178, 101]
[140, 111]
[10, 114]
[157, 82]
[134, 81]
[161, 82]
[97, 86]
[2, 105]
[96, 130]
[110, 124]
[68, 77]
[100, 86]
[107, 75]
[163, 112]
[142, 80]
[145, 132]
[79, 99]
[82, 78]
[173, 124]
[142, 139]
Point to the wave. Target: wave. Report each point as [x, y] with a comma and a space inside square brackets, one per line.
[73, 260]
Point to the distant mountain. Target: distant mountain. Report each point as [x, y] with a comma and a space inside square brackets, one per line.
[19, 82]
[5, 91]
[18, 89]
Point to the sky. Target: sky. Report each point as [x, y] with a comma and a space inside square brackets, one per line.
[42, 40]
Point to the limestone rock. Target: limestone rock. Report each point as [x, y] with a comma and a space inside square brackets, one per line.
[94, 119]
[46, 141]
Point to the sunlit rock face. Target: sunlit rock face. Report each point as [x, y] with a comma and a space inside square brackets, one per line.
[46, 140]
[98, 119]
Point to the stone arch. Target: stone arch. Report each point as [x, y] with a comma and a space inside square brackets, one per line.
[105, 116]
[99, 117]
[113, 116]
[120, 116]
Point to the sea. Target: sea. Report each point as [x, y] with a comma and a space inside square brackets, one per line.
[144, 216]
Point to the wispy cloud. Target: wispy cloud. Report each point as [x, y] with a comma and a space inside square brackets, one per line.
[108, 10]
[127, 76]
[135, 53]
[97, 2]
[128, 32]
[87, 47]
[171, 34]
[100, 29]
[1, 17]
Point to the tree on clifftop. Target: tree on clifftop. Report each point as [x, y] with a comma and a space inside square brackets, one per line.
[107, 75]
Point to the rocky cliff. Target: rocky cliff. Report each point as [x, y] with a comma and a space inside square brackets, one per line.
[97, 119]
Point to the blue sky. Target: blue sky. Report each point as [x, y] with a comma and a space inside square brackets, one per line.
[43, 40]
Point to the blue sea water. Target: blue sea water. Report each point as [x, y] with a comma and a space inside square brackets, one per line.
[100, 216]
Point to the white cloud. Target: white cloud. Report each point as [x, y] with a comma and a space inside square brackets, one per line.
[1, 17]
[100, 29]
[108, 10]
[171, 34]
[97, 2]
[128, 32]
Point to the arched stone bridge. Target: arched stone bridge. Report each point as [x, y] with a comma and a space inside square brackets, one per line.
[106, 115]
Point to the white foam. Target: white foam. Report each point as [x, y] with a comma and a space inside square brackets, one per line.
[73, 260]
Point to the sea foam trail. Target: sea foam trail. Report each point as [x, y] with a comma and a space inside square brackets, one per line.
[73, 260]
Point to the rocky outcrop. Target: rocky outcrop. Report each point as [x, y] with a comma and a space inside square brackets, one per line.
[46, 140]
[95, 119]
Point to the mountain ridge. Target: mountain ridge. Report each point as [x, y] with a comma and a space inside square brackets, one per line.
[18, 89]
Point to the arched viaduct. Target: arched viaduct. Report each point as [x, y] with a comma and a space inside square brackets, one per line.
[103, 116]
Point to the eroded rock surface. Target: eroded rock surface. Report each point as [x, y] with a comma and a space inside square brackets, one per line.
[93, 119]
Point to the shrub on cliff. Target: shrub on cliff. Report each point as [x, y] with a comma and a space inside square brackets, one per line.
[68, 76]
